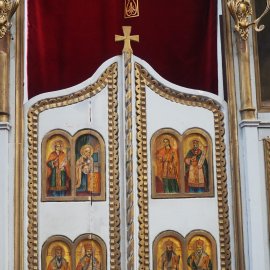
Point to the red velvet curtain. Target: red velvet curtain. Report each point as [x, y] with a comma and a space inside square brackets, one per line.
[69, 40]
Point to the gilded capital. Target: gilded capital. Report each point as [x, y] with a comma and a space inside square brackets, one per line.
[7, 9]
[241, 11]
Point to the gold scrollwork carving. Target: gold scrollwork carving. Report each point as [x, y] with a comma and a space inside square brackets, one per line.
[7, 9]
[143, 79]
[131, 8]
[142, 170]
[240, 11]
[109, 77]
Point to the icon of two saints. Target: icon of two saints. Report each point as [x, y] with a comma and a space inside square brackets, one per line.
[87, 173]
[88, 261]
[168, 168]
[197, 260]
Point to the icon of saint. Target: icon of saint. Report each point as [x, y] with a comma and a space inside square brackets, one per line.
[168, 167]
[199, 259]
[196, 168]
[58, 171]
[169, 260]
[88, 261]
[58, 262]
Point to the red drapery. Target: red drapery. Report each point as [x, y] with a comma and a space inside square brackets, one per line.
[69, 40]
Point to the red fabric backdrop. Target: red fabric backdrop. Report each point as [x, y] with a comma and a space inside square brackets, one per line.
[69, 40]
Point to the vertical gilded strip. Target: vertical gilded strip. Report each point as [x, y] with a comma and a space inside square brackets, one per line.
[142, 172]
[19, 143]
[115, 263]
[4, 91]
[234, 145]
[129, 162]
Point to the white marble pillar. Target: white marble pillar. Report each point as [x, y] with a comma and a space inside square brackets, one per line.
[4, 191]
[254, 186]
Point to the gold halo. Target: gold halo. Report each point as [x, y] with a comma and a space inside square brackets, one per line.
[86, 146]
[168, 241]
[57, 246]
[60, 141]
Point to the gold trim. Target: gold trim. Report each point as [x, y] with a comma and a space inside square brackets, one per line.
[114, 185]
[234, 147]
[4, 79]
[143, 78]
[129, 162]
[109, 77]
[19, 144]
[247, 110]
[142, 180]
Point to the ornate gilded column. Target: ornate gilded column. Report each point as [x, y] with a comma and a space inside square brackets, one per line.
[4, 79]
[127, 53]
[241, 11]
[7, 9]
[247, 147]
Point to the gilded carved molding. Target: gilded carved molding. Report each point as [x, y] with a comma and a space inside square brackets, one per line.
[109, 77]
[129, 162]
[144, 262]
[143, 79]
[241, 10]
[7, 9]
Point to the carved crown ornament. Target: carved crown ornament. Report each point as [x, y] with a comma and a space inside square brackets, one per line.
[240, 11]
[7, 9]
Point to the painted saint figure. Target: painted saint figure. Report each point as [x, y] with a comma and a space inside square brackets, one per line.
[58, 262]
[58, 171]
[196, 169]
[85, 169]
[167, 167]
[169, 259]
[88, 261]
[199, 259]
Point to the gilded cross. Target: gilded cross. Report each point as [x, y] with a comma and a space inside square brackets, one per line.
[127, 38]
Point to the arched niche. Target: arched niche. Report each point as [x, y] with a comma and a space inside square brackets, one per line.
[201, 250]
[90, 249]
[165, 161]
[168, 251]
[57, 252]
[198, 163]
[56, 166]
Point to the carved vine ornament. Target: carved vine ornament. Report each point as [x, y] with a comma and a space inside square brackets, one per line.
[7, 9]
[240, 11]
